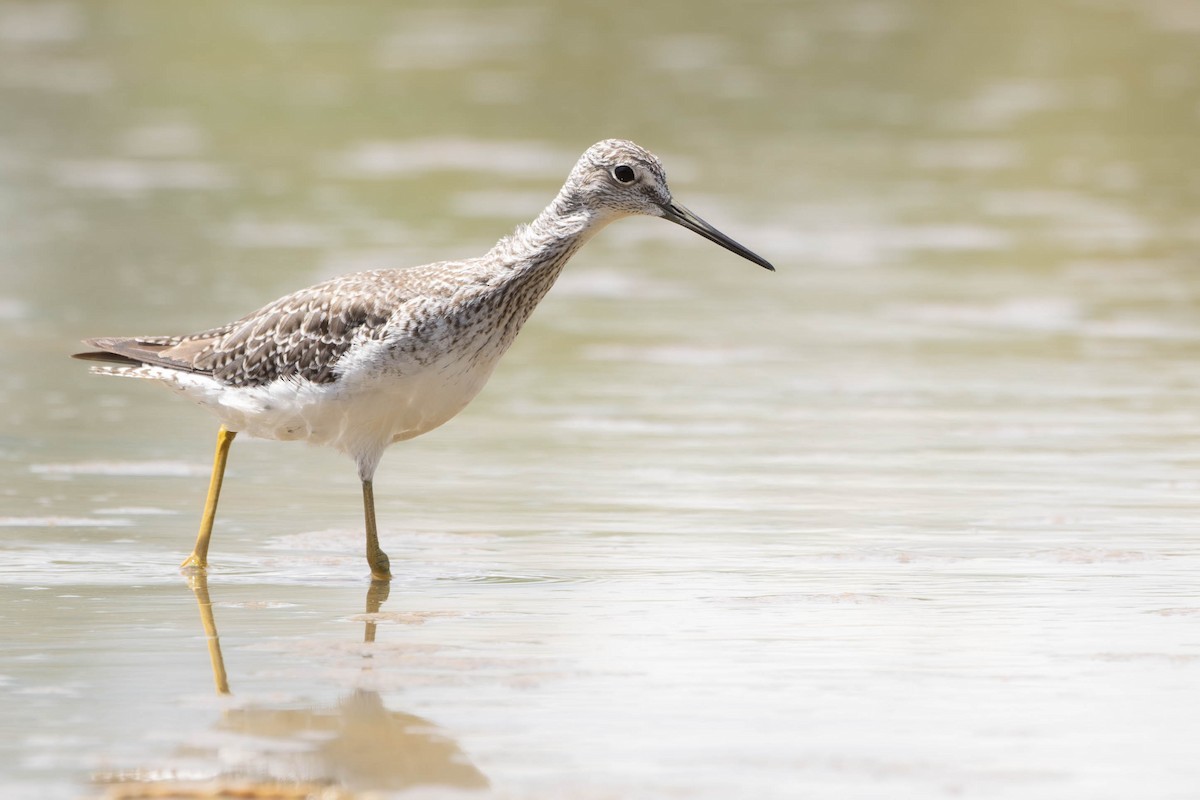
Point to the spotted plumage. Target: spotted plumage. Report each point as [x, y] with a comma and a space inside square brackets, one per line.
[368, 359]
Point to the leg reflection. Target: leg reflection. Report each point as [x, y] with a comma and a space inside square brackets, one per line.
[199, 585]
[377, 595]
[361, 744]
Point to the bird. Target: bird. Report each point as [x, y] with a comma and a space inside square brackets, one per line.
[362, 361]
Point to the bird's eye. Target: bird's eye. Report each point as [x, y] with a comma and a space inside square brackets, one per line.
[623, 173]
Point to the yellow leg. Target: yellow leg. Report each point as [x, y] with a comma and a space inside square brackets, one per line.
[199, 557]
[380, 566]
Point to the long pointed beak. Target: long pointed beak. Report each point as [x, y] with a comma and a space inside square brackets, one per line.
[681, 216]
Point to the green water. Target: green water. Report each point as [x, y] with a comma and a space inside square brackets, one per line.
[914, 516]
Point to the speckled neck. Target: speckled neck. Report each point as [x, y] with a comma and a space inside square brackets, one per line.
[546, 244]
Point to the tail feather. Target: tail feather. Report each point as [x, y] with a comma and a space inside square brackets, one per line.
[108, 358]
[133, 352]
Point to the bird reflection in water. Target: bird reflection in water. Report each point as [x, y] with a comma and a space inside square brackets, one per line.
[356, 746]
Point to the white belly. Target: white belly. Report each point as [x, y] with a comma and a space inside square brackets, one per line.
[360, 414]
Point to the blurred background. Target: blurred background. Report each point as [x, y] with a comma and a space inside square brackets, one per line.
[914, 514]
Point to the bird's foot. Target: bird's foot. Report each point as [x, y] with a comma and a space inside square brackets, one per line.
[381, 566]
[193, 565]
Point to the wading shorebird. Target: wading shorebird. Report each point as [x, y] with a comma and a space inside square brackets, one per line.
[365, 360]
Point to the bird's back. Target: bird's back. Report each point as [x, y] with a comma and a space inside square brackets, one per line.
[302, 335]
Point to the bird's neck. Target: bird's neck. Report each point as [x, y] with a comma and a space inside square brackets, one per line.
[516, 274]
[544, 245]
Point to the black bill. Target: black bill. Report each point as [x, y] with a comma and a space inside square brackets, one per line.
[681, 216]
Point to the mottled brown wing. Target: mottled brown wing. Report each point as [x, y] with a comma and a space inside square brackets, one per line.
[302, 335]
[299, 336]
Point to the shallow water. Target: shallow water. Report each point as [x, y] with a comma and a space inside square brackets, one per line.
[913, 516]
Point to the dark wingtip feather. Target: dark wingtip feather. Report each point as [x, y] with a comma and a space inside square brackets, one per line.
[105, 352]
[108, 351]
[109, 358]
[134, 352]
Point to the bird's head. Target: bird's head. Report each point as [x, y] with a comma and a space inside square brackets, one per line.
[617, 178]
